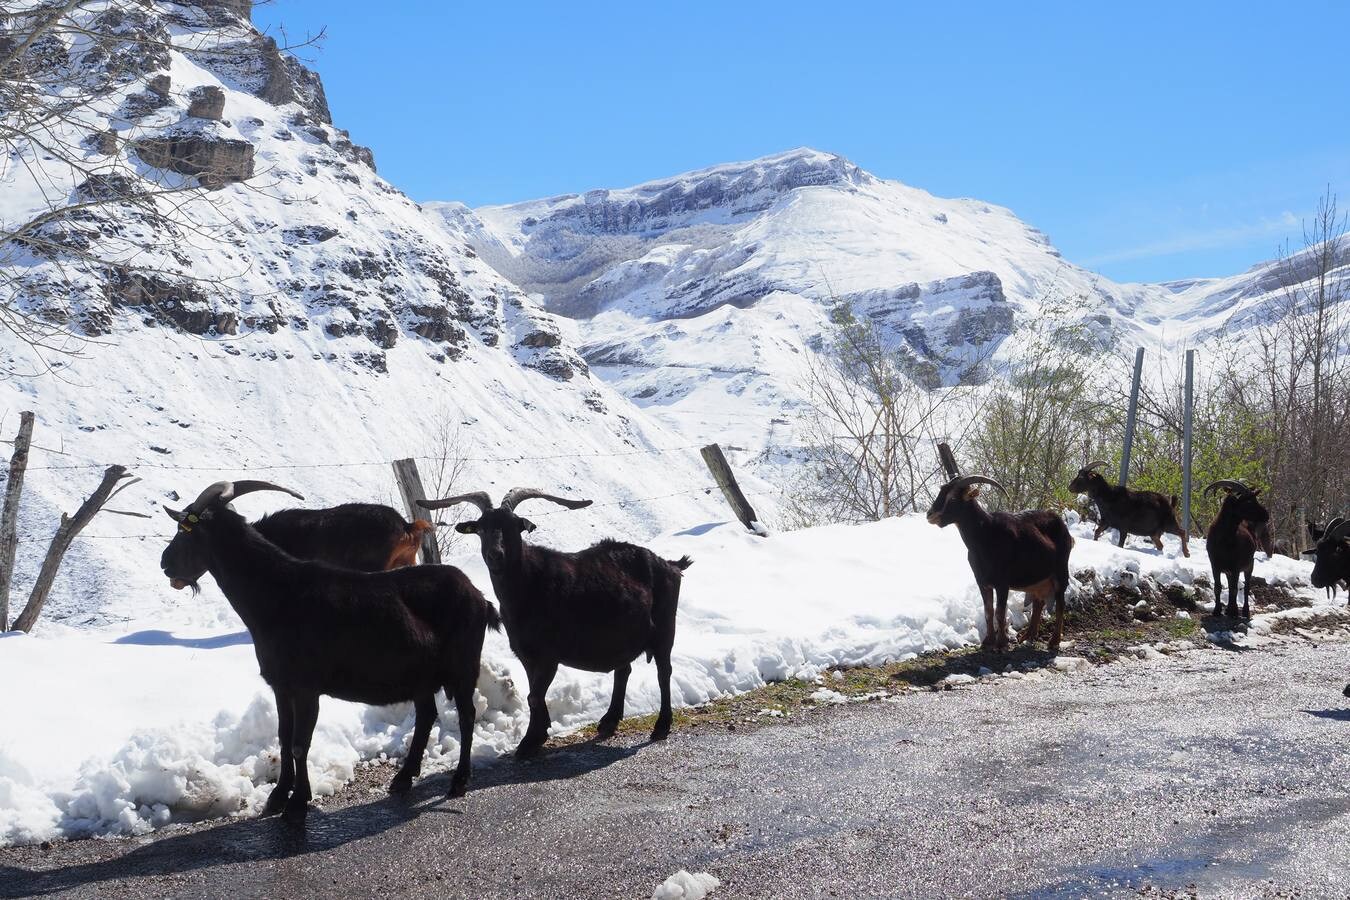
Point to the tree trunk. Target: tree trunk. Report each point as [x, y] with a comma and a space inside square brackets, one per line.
[9, 518]
[69, 528]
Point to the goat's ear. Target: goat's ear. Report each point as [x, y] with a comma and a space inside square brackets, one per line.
[467, 527]
[972, 491]
[526, 525]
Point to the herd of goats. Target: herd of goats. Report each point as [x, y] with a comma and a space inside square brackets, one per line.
[336, 605]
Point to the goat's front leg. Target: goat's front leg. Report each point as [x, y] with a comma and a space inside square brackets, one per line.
[305, 708]
[1101, 529]
[609, 723]
[1247, 594]
[540, 676]
[990, 635]
[1218, 589]
[1001, 612]
[285, 727]
[1232, 595]
[412, 764]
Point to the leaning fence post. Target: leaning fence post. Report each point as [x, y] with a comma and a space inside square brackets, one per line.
[1186, 440]
[410, 488]
[9, 517]
[1129, 417]
[721, 472]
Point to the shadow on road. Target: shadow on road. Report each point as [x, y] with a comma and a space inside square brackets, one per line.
[1339, 715]
[931, 669]
[251, 840]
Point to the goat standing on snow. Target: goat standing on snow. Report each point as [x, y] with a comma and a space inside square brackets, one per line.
[368, 637]
[596, 610]
[1129, 512]
[1232, 541]
[1026, 551]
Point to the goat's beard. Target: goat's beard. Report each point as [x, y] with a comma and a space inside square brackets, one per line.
[178, 584]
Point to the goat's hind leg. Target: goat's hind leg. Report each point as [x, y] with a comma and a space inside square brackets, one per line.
[285, 738]
[609, 723]
[306, 707]
[417, 748]
[1037, 595]
[1247, 594]
[663, 720]
[468, 714]
[1001, 613]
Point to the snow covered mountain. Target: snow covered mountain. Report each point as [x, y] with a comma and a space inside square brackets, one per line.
[699, 296]
[301, 319]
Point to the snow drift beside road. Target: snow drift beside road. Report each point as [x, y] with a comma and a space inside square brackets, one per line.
[117, 733]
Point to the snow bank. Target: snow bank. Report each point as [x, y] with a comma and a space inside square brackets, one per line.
[686, 886]
[121, 732]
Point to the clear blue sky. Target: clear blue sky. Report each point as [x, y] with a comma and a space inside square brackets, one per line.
[1150, 140]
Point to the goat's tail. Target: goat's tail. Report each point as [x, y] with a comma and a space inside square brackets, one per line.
[494, 618]
[1176, 504]
[682, 563]
[416, 528]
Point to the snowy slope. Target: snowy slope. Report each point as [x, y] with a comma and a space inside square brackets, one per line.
[700, 296]
[309, 325]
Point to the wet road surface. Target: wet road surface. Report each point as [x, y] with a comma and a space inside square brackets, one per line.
[1217, 772]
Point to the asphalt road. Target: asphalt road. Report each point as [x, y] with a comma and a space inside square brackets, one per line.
[1220, 773]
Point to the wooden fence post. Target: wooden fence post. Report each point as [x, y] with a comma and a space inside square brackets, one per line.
[410, 489]
[71, 526]
[721, 472]
[9, 517]
[1130, 416]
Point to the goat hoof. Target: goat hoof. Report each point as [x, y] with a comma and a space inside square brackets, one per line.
[457, 789]
[276, 801]
[1346, 692]
[1052, 647]
[529, 750]
[605, 730]
[661, 732]
[401, 784]
[295, 813]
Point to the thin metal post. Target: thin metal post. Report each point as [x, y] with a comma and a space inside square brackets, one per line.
[1186, 441]
[1129, 418]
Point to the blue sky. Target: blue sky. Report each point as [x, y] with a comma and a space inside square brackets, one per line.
[1151, 141]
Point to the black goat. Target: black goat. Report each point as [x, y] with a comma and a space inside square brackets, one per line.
[1026, 551]
[1233, 540]
[1331, 565]
[596, 610]
[367, 537]
[369, 637]
[1129, 512]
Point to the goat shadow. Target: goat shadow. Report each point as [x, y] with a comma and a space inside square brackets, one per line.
[158, 638]
[1221, 623]
[1336, 715]
[254, 839]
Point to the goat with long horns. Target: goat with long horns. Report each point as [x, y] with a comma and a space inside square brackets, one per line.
[369, 637]
[1025, 551]
[597, 609]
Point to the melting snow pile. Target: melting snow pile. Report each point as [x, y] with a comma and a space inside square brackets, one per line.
[120, 731]
[686, 886]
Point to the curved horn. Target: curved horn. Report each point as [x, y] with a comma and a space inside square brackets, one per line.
[1099, 464]
[479, 499]
[1226, 484]
[948, 460]
[966, 480]
[228, 491]
[518, 495]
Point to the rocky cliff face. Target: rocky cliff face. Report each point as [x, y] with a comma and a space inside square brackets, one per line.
[298, 231]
